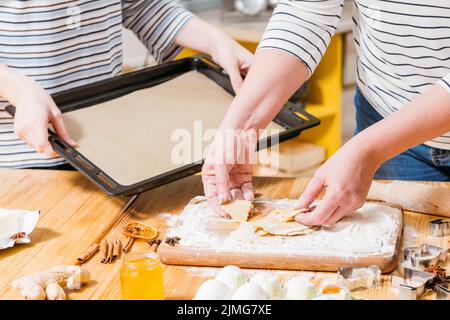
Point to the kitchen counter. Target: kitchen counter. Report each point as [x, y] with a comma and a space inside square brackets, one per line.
[75, 214]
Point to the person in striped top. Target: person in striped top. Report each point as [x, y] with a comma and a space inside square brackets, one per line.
[402, 102]
[48, 46]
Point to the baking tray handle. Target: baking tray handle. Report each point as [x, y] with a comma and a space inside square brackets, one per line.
[80, 162]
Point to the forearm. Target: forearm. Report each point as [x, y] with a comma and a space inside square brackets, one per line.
[10, 83]
[426, 117]
[200, 36]
[272, 79]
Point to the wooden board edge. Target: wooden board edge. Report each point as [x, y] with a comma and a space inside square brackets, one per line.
[172, 256]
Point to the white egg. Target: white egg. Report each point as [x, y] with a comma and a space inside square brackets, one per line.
[299, 288]
[232, 276]
[250, 291]
[213, 290]
[269, 283]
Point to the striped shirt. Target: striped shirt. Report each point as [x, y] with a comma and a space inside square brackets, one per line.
[68, 43]
[403, 45]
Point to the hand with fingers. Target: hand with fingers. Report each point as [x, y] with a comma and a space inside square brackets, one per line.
[233, 58]
[346, 178]
[35, 110]
[223, 49]
[228, 169]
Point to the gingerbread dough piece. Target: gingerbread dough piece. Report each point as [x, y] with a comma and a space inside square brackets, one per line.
[280, 222]
[285, 229]
[286, 214]
[238, 210]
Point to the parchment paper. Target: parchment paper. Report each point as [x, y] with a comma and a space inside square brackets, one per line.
[130, 138]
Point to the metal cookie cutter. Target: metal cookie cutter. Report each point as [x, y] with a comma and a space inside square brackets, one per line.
[424, 256]
[439, 228]
[442, 293]
[412, 285]
[355, 278]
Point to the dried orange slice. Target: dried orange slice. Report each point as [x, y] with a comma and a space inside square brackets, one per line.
[140, 230]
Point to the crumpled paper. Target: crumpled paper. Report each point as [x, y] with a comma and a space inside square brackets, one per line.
[16, 226]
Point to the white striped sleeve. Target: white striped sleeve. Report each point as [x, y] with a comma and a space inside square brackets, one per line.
[303, 28]
[445, 82]
[157, 24]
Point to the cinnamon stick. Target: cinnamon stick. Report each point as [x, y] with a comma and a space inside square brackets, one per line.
[127, 247]
[109, 257]
[154, 244]
[103, 250]
[117, 248]
[88, 254]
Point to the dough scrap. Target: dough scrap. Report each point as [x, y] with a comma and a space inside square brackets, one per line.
[279, 222]
[286, 214]
[238, 210]
[287, 229]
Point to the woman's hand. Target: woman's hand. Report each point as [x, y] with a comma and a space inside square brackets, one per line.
[35, 109]
[233, 58]
[346, 178]
[228, 169]
[226, 52]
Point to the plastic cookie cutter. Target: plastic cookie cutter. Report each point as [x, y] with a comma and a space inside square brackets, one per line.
[424, 256]
[355, 278]
[412, 285]
[439, 228]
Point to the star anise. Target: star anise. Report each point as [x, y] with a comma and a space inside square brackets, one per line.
[154, 241]
[440, 278]
[437, 270]
[172, 241]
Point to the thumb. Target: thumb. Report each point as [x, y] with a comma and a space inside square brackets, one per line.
[48, 150]
[60, 128]
[312, 191]
[223, 184]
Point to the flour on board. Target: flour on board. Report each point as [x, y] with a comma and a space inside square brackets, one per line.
[370, 230]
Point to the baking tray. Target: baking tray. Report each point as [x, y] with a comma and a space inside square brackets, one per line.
[293, 120]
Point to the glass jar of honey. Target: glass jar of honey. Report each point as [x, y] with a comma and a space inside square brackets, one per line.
[141, 277]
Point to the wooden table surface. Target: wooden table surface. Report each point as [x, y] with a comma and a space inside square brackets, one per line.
[75, 214]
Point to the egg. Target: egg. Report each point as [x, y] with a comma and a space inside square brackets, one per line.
[299, 288]
[213, 290]
[333, 292]
[250, 291]
[232, 276]
[269, 283]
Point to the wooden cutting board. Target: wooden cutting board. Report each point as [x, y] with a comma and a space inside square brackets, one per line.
[202, 254]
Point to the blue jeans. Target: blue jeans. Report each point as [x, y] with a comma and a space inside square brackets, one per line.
[420, 163]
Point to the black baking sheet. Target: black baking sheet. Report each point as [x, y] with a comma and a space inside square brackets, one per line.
[292, 119]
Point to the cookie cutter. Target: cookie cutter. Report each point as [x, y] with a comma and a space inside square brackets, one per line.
[364, 277]
[439, 228]
[442, 293]
[424, 256]
[412, 285]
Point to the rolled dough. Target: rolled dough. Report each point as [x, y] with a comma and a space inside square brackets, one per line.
[280, 222]
[239, 210]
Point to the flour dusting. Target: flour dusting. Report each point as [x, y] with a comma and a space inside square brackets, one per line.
[370, 230]
[171, 219]
[410, 236]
